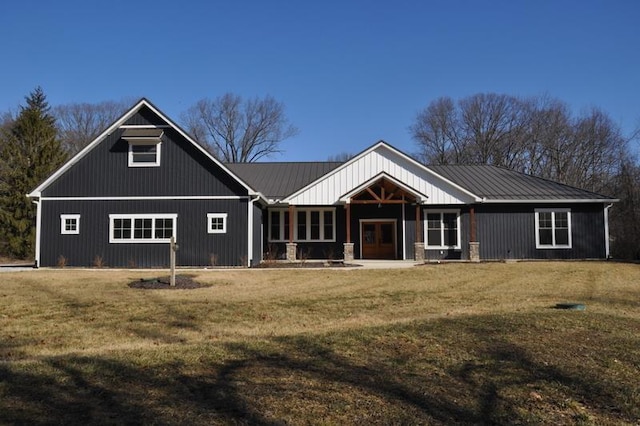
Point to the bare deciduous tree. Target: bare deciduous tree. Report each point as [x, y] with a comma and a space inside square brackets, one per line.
[80, 123]
[236, 130]
[342, 157]
[537, 136]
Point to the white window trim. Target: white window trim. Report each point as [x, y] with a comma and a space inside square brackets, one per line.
[425, 223]
[308, 225]
[145, 142]
[63, 220]
[210, 229]
[153, 217]
[307, 211]
[553, 212]
[280, 238]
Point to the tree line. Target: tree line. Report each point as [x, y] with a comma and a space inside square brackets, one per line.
[540, 136]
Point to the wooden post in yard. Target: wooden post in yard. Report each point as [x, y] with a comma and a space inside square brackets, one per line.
[172, 260]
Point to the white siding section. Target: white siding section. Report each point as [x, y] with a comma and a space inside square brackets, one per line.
[329, 189]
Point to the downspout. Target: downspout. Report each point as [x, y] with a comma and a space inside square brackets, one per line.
[250, 230]
[606, 231]
[38, 226]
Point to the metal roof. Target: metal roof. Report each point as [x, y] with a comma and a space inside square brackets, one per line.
[277, 180]
[281, 179]
[500, 184]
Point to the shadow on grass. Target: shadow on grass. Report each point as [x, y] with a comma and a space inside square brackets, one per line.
[347, 378]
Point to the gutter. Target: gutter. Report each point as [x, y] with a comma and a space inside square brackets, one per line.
[250, 206]
[607, 251]
[38, 229]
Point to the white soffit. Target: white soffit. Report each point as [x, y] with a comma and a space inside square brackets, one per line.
[380, 159]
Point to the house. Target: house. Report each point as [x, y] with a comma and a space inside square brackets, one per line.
[144, 180]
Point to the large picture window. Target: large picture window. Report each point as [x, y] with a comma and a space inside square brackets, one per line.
[142, 228]
[442, 229]
[553, 228]
[309, 225]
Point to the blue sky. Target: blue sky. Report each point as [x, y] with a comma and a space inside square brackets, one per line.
[349, 72]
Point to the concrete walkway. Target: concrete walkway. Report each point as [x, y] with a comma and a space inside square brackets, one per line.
[386, 264]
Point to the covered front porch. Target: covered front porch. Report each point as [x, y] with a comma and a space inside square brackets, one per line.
[381, 219]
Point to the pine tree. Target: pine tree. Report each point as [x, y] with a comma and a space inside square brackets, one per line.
[30, 152]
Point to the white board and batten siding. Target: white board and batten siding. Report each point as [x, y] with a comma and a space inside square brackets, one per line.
[381, 158]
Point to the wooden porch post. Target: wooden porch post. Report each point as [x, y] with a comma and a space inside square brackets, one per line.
[291, 213]
[418, 225]
[348, 213]
[418, 246]
[472, 230]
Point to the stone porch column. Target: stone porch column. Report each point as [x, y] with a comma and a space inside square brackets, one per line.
[474, 251]
[291, 251]
[418, 250]
[348, 252]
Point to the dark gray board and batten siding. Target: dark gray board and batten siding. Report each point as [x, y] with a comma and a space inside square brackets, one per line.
[196, 245]
[508, 232]
[184, 171]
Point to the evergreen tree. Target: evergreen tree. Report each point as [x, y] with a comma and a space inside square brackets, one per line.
[30, 152]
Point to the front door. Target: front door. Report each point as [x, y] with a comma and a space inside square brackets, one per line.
[378, 240]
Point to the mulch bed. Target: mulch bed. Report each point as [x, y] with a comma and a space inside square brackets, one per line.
[183, 282]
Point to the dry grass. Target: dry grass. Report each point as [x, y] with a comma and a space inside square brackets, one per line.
[437, 344]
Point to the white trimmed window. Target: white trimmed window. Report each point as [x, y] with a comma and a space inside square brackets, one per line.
[142, 228]
[278, 225]
[144, 154]
[216, 223]
[315, 225]
[144, 146]
[309, 225]
[553, 228]
[70, 224]
[442, 229]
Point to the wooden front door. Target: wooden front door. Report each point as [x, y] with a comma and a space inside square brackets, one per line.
[378, 240]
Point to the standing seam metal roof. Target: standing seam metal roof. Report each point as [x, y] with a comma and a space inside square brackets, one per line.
[277, 180]
[280, 179]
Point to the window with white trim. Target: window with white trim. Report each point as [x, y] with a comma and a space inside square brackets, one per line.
[309, 225]
[142, 228]
[279, 225]
[216, 223]
[70, 224]
[315, 225]
[145, 154]
[553, 228]
[442, 229]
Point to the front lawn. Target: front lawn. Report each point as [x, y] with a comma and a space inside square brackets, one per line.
[436, 344]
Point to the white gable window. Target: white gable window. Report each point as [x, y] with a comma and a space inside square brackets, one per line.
[553, 228]
[216, 223]
[142, 228]
[144, 146]
[70, 224]
[442, 229]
